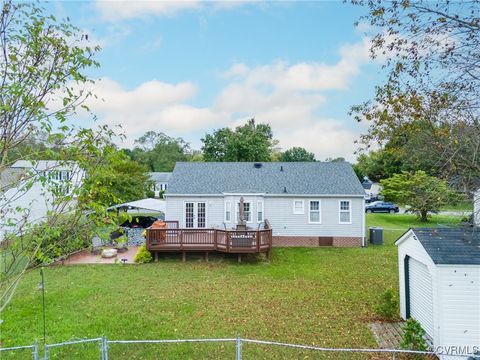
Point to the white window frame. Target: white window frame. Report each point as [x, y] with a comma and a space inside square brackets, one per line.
[195, 214]
[349, 211]
[300, 212]
[319, 211]
[260, 209]
[227, 208]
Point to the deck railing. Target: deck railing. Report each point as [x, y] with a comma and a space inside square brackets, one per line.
[233, 241]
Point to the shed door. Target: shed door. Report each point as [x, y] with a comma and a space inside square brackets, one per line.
[421, 295]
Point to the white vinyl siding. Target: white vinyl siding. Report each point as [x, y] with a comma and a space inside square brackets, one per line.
[421, 295]
[278, 211]
[459, 305]
[344, 212]
[314, 212]
[298, 207]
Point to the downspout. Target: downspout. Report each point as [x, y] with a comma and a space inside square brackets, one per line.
[364, 240]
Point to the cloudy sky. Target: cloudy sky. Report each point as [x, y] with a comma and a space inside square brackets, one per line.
[186, 68]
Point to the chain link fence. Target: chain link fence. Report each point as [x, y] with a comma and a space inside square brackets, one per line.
[223, 348]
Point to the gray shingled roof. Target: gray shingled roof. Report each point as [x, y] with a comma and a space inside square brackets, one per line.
[299, 178]
[160, 177]
[451, 245]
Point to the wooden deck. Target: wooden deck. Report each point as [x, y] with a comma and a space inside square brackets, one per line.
[205, 240]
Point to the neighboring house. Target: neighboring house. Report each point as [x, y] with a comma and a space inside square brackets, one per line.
[306, 203]
[29, 188]
[372, 189]
[476, 208]
[440, 285]
[160, 181]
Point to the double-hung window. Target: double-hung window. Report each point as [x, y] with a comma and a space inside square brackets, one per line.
[228, 211]
[345, 212]
[259, 211]
[314, 212]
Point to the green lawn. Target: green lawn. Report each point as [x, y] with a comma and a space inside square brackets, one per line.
[461, 206]
[321, 296]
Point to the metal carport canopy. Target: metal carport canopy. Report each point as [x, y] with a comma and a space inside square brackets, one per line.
[147, 204]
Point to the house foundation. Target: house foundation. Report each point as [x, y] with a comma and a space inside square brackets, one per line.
[316, 241]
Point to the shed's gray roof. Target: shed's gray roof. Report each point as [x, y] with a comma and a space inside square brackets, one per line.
[160, 177]
[451, 245]
[299, 178]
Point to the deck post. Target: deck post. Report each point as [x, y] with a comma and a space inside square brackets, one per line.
[258, 241]
[239, 258]
[184, 256]
[206, 256]
[156, 256]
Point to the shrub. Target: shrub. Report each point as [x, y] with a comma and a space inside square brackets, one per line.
[143, 256]
[57, 237]
[413, 336]
[387, 306]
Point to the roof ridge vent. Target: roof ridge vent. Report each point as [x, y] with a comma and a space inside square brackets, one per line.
[257, 165]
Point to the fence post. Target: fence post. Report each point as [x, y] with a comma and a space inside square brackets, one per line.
[238, 348]
[394, 355]
[104, 348]
[45, 352]
[35, 351]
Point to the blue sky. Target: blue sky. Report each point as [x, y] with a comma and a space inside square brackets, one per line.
[186, 68]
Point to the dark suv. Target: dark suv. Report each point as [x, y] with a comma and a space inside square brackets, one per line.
[381, 207]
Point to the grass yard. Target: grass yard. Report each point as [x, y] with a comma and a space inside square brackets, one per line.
[316, 296]
[460, 206]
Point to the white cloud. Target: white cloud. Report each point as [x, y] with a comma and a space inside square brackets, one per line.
[290, 97]
[152, 105]
[117, 10]
[121, 10]
[305, 76]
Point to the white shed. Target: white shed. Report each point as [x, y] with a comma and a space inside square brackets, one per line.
[439, 274]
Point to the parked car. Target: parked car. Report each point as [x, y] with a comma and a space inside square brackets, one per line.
[381, 207]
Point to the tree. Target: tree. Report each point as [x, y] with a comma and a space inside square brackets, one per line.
[160, 152]
[43, 66]
[116, 181]
[249, 142]
[421, 192]
[378, 165]
[41, 73]
[297, 154]
[433, 75]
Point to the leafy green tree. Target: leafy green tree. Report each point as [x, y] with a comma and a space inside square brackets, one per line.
[248, 142]
[43, 67]
[421, 192]
[378, 165]
[117, 180]
[297, 154]
[433, 75]
[160, 152]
